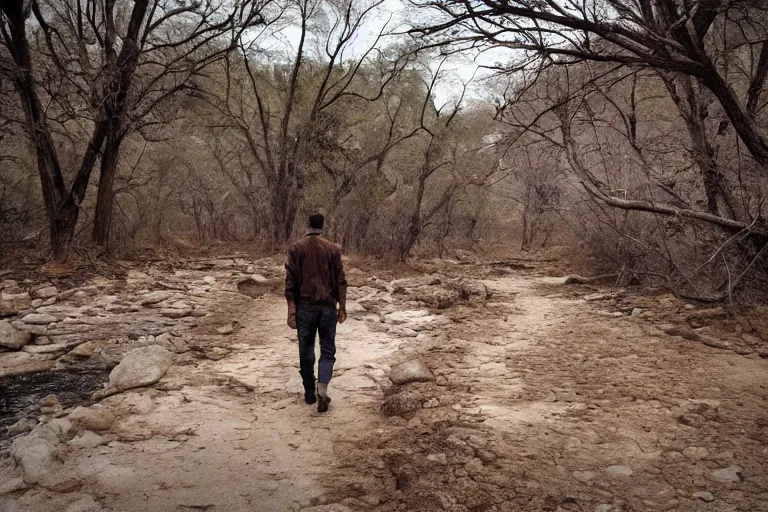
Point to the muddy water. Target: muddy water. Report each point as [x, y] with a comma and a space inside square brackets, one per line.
[20, 394]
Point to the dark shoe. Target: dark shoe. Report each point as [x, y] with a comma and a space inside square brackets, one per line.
[322, 403]
[310, 398]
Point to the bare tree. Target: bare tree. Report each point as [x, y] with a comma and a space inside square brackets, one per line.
[665, 35]
[140, 61]
[280, 118]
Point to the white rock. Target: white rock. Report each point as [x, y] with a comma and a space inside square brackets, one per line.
[37, 455]
[618, 471]
[141, 367]
[88, 439]
[47, 292]
[727, 475]
[227, 329]
[38, 319]
[584, 476]
[404, 317]
[96, 417]
[175, 313]
[440, 458]
[154, 297]
[11, 338]
[14, 296]
[209, 280]
[51, 348]
[695, 452]
[411, 371]
[704, 496]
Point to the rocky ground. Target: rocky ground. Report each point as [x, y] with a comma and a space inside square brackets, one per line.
[458, 387]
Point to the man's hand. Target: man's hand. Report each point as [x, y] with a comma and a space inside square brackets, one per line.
[292, 316]
[342, 315]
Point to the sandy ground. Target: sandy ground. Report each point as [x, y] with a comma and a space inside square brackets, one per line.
[541, 403]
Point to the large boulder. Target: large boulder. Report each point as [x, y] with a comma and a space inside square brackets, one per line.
[37, 454]
[140, 367]
[12, 338]
[414, 370]
[256, 286]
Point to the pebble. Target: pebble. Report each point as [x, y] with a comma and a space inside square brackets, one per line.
[440, 458]
[176, 312]
[88, 439]
[704, 496]
[487, 456]
[637, 311]
[618, 471]
[227, 329]
[695, 452]
[583, 476]
[727, 475]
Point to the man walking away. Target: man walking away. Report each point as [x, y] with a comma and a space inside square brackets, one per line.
[316, 291]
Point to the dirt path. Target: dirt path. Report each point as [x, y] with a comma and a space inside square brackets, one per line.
[540, 402]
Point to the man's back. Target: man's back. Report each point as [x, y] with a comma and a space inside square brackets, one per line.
[314, 272]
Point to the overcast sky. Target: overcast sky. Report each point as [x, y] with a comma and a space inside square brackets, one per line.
[396, 14]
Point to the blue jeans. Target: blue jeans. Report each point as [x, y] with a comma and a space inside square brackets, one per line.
[312, 319]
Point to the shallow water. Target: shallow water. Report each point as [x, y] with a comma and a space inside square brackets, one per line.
[19, 394]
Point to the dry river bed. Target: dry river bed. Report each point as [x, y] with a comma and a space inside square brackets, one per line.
[457, 388]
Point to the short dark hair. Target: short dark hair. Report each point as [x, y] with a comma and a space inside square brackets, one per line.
[316, 221]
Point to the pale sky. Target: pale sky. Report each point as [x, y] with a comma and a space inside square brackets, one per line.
[456, 70]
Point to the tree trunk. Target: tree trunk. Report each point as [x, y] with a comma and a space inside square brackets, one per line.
[62, 229]
[106, 193]
[115, 105]
[525, 242]
[747, 128]
[694, 113]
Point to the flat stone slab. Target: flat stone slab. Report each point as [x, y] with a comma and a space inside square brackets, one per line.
[154, 297]
[38, 319]
[730, 474]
